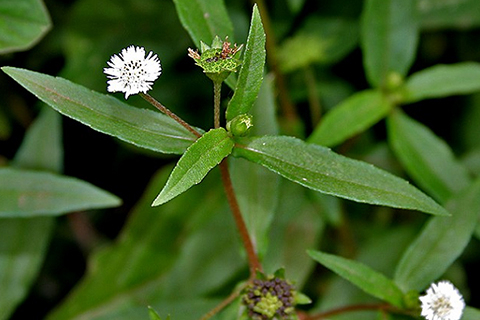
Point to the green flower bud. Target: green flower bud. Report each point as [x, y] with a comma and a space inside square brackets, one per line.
[240, 125]
[217, 61]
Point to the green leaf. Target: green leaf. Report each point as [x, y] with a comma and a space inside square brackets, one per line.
[454, 14]
[202, 156]
[441, 241]
[154, 315]
[320, 169]
[204, 19]
[23, 242]
[442, 81]
[251, 73]
[26, 193]
[427, 158]
[389, 37]
[41, 148]
[471, 313]
[22, 24]
[104, 113]
[154, 256]
[352, 116]
[367, 279]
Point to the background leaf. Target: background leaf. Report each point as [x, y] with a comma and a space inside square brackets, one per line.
[389, 36]
[202, 156]
[320, 169]
[352, 116]
[204, 19]
[23, 24]
[362, 276]
[23, 242]
[458, 14]
[141, 127]
[251, 72]
[27, 193]
[442, 81]
[441, 241]
[427, 158]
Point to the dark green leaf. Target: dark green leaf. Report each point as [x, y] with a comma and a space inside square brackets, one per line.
[350, 117]
[202, 156]
[322, 170]
[251, 73]
[389, 36]
[141, 127]
[41, 148]
[453, 14]
[427, 158]
[26, 193]
[442, 81]
[204, 19]
[22, 24]
[362, 276]
[441, 241]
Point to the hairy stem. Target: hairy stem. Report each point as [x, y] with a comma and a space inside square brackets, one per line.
[169, 113]
[217, 89]
[253, 261]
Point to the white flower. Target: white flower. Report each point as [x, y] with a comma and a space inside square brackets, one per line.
[131, 72]
[442, 302]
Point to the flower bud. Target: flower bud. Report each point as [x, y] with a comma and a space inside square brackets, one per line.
[240, 125]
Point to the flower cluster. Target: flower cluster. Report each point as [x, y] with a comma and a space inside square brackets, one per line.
[442, 302]
[131, 72]
[268, 298]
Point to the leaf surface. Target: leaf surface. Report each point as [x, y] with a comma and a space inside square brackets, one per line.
[389, 37]
[144, 128]
[251, 72]
[204, 19]
[442, 81]
[352, 116]
[320, 169]
[441, 242]
[362, 276]
[28, 193]
[23, 24]
[202, 156]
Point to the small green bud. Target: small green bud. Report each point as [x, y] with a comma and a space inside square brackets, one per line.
[240, 125]
[394, 81]
[217, 61]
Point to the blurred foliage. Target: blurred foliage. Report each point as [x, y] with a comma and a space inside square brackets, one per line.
[328, 63]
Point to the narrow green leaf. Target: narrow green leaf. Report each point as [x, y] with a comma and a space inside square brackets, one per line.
[104, 113]
[154, 315]
[427, 158]
[441, 241]
[320, 169]
[204, 19]
[367, 279]
[442, 81]
[251, 73]
[351, 117]
[454, 14]
[389, 37]
[23, 24]
[41, 148]
[26, 193]
[202, 156]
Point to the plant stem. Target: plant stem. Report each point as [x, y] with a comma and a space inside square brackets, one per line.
[223, 304]
[253, 261]
[169, 113]
[217, 89]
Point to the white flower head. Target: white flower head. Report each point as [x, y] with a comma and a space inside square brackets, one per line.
[131, 72]
[442, 302]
